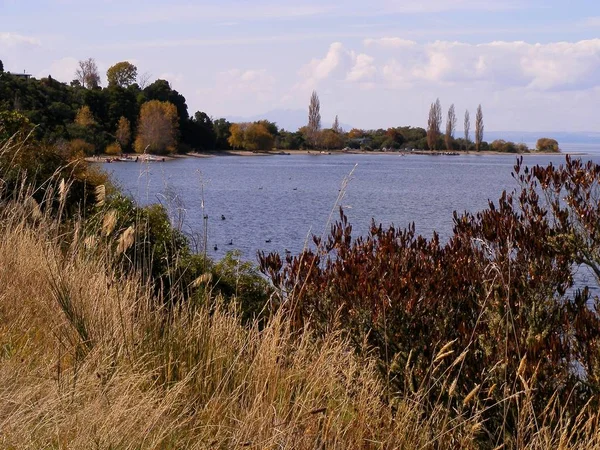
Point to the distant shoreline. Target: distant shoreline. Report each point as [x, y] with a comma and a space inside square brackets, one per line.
[246, 153]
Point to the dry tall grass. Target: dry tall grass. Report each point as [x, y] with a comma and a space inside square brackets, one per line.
[89, 360]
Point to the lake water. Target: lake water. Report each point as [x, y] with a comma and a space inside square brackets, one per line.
[274, 203]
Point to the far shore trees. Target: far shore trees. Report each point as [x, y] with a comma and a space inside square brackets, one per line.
[434, 124]
[336, 125]
[258, 137]
[252, 136]
[237, 133]
[121, 74]
[547, 145]
[87, 74]
[314, 119]
[478, 128]
[331, 139]
[450, 128]
[467, 128]
[157, 128]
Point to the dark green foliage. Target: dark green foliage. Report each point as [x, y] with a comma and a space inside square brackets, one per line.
[39, 168]
[222, 133]
[47, 103]
[290, 141]
[199, 133]
[239, 280]
[161, 90]
[52, 107]
[1, 67]
[501, 288]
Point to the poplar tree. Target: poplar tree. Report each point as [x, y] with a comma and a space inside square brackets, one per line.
[314, 119]
[336, 125]
[478, 128]
[467, 128]
[450, 127]
[434, 124]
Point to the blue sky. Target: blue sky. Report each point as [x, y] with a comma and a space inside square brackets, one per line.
[532, 64]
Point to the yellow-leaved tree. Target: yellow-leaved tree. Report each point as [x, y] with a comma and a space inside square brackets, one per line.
[84, 117]
[258, 137]
[157, 128]
[123, 133]
[237, 135]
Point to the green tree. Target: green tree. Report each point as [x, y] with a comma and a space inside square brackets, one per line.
[478, 128]
[221, 129]
[198, 132]
[1, 67]
[122, 74]
[13, 123]
[314, 119]
[161, 90]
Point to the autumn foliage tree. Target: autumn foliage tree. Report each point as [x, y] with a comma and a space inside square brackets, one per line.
[251, 136]
[547, 145]
[157, 128]
[258, 137]
[237, 136]
[123, 133]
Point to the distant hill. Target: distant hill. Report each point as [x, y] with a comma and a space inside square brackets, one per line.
[288, 119]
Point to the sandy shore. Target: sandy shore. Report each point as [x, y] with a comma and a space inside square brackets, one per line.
[159, 158]
[361, 152]
[131, 158]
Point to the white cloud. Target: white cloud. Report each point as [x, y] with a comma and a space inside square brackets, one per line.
[62, 69]
[174, 79]
[553, 66]
[12, 40]
[363, 69]
[340, 64]
[242, 88]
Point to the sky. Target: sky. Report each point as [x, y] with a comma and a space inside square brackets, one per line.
[533, 65]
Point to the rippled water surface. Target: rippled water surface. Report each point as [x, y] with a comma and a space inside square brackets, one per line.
[273, 203]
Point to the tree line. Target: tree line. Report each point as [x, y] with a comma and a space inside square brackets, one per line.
[131, 114]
